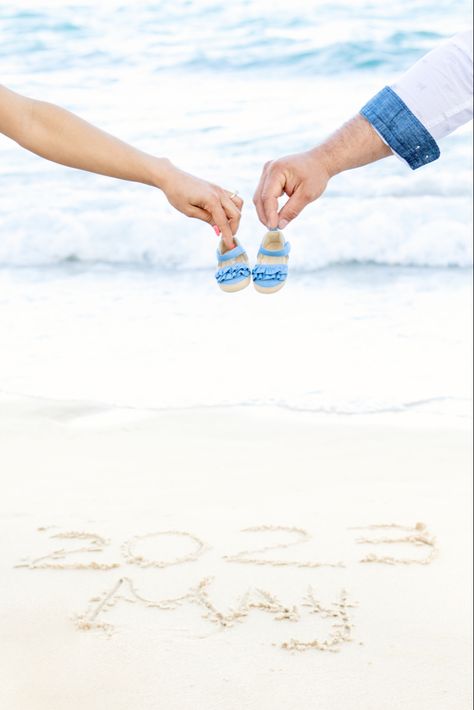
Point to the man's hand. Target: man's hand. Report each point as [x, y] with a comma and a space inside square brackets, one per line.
[303, 177]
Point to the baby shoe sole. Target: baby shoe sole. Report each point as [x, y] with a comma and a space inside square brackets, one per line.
[233, 288]
[268, 289]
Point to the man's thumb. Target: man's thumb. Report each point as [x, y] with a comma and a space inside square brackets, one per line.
[291, 209]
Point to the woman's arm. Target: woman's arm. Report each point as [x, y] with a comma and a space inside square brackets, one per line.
[58, 135]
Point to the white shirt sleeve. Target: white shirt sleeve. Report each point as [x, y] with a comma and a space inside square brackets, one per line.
[438, 89]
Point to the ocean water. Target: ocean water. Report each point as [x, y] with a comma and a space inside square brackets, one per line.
[107, 294]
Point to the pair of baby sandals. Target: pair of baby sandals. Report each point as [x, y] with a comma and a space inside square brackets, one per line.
[269, 274]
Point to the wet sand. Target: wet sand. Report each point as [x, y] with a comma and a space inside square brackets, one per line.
[231, 558]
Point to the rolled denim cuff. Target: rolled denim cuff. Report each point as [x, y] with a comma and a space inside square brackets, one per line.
[401, 129]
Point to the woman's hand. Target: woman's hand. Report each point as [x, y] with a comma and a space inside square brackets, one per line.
[60, 136]
[201, 199]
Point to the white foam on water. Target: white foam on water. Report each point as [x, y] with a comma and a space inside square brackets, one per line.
[344, 341]
[107, 293]
[167, 79]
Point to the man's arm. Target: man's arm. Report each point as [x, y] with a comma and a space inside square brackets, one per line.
[431, 100]
[58, 135]
[304, 176]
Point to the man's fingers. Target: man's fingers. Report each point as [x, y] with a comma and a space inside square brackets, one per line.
[273, 188]
[292, 208]
[257, 198]
[270, 208]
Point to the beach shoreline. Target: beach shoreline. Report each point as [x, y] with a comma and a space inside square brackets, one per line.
[218, 501]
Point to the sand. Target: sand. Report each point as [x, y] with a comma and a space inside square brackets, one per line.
[231, 559]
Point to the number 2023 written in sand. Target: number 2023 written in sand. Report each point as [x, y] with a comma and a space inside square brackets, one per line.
[417, 535]
[338, 612]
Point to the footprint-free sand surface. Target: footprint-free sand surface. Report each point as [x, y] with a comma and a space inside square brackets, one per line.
[231, 559]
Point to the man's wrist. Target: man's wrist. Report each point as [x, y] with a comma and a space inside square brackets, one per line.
[355, 144]
[323, 160]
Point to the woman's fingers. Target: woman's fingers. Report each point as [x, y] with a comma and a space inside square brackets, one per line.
[220, 219]
[211, 204]
[232, 211]
[199, 213]
[226, 213]
[224, 220]
[236, 199]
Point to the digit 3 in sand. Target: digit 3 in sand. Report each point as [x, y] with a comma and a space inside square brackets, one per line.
[271, 271]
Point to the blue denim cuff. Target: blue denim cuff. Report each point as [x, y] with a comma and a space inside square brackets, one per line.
[400, 128]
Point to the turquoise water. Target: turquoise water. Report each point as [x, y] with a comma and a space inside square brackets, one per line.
[107, 294]
[220, 89]
[201, 35]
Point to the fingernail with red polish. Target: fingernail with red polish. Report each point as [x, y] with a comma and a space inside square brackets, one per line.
[216, 229]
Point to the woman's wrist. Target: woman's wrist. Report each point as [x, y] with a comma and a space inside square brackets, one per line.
[162, 173]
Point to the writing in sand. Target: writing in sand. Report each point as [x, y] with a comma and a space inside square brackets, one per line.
[76, 548]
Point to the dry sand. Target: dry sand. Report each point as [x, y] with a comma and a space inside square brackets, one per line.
[231, 559]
